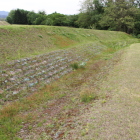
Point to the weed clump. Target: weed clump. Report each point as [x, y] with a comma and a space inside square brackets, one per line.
[40, 36]
[76, 65]
[87, 95]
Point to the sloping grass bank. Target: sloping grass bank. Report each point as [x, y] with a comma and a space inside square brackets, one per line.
[53, 107]
[56, 104]
[4, 23]
[18, 41]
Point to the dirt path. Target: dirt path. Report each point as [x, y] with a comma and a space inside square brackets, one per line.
[118, 118]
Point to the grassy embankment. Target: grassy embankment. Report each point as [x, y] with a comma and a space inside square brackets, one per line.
[27, 41]
[3, 22]
[68, 92]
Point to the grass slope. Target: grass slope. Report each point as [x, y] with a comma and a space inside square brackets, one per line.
[27, 41]
[4, 23]
[51, 112]
[54, 107]
[119, 117]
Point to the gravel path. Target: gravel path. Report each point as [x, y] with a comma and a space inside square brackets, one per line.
[118, 118]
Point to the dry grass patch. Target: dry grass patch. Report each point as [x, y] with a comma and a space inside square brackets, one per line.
[4, 23]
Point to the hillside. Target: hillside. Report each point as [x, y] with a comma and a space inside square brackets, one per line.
[4, 23]
[42, 103]
[29, 41]
[47, 54]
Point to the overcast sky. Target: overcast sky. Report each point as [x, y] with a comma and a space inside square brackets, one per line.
[50, 6]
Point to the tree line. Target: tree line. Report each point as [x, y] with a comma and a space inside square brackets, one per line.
[115, 15]
[20, 16]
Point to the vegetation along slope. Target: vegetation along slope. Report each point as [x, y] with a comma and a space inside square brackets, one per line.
[51, 111]
[28, 41]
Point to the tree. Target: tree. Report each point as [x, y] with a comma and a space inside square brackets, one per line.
[40, 19]
[56, 19]
[72, 21]
[31, 16]
[137, 23]
[10, 17]
[91, 13]
[84, 20]
[42, 12]
[119, 15]
[18, 16]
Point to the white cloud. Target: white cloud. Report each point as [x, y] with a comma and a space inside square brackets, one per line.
[50, 6]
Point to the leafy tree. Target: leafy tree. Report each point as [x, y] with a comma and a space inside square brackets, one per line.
[42, 12]
[84, 20]
[10, 17]
[40, 20]
[137, 23]
[24, 19]
[56, 19]
[119, 15]
[72, 21]
[17, 16]
[91, 13]
[31, 16]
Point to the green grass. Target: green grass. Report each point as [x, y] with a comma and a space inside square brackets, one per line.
[14, 116]
[77, 65]
[76, 88]
[28, 41]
